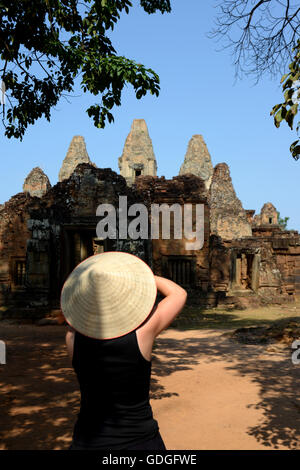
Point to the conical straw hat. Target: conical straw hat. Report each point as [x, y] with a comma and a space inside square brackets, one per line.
[108, 295]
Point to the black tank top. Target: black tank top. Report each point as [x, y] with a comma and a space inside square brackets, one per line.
[114, 380]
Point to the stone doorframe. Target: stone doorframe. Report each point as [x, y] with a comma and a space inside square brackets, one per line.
[244, 270]
[69, 235]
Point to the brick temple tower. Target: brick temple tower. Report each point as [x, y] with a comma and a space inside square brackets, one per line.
[138, 157]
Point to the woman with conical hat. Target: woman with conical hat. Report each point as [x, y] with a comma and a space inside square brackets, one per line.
[108, 302]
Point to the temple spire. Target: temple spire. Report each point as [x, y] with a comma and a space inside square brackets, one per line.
[197, 160]
[36, 183]
[76, 154]
[138, 157]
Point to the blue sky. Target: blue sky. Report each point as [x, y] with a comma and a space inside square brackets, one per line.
[199, 95]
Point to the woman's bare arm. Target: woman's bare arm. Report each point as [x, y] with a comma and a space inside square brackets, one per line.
[70, 342]
[169, 307]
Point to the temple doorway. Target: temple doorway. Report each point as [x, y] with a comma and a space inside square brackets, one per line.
[79, 243]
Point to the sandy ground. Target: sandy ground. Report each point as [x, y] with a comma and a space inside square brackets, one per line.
[207, 392]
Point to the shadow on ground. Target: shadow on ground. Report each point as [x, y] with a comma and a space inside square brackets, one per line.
[40, 396]
[270, 367]
[39, 392]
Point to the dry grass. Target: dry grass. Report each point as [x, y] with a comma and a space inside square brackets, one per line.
[217, 318]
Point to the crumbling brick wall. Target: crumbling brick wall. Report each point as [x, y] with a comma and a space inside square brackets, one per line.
[34, 229]
[171, 258]
[13, 243]
[42, 232]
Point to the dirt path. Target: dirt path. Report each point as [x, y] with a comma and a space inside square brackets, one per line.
[207, 391]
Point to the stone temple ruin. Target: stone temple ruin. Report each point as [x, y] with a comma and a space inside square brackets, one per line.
[46, 231]
[138, 157]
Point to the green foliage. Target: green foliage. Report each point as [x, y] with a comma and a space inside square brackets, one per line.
[287, 110]
[46, 44]
[282, 222]
[151, 6]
